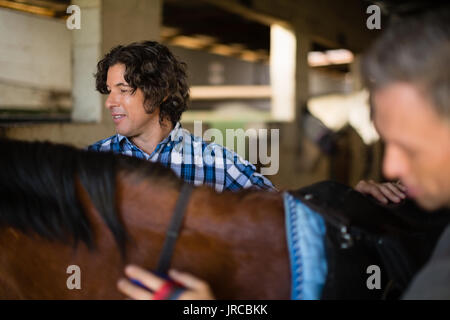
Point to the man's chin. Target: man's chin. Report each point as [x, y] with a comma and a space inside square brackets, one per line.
[431, 204]
[121, 131]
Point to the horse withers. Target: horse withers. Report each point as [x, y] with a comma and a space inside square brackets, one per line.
[62, 207]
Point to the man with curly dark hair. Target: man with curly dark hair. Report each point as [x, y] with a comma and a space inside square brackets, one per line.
[147, 93]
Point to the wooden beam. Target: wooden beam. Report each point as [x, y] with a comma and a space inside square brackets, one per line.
[27, 8]
[230, 92]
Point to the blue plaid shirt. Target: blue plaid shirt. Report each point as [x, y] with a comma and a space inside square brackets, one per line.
[193, 160]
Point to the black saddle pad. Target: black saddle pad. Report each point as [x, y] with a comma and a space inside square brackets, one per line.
[361, 231]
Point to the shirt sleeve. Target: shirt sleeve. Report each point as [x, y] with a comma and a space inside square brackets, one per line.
[93, 147]
[241, 174]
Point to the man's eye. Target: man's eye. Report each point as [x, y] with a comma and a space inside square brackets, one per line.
[123, 91]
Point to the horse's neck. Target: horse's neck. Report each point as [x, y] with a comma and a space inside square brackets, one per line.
[235, 241]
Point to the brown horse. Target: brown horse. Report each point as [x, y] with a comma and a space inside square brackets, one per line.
[60, 206]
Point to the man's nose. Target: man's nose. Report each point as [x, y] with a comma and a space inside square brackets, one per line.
[394, 163]
[111, 101]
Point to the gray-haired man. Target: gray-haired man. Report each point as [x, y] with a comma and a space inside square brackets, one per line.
[407, 72]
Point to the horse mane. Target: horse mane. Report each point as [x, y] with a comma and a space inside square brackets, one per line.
[38, 189]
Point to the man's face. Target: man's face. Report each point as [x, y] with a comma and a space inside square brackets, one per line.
[417, 143]
[127, 109]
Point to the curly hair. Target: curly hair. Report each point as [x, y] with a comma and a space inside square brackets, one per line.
[151, 67]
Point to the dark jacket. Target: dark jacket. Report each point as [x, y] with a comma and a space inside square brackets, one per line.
[433, 281]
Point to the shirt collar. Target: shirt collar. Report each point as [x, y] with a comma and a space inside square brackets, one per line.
[176, 134]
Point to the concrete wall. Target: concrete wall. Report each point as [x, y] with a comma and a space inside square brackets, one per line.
[322, 83]
[86, 49]
[35, 62]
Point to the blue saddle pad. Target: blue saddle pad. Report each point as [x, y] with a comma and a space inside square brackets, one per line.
[305, 232]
